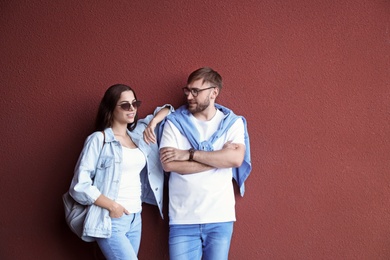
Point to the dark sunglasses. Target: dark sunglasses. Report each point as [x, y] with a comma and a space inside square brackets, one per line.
[126, 106]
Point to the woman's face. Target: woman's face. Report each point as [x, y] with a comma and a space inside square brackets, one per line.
[125, 114]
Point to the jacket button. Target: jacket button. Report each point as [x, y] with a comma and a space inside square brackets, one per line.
[156, 189]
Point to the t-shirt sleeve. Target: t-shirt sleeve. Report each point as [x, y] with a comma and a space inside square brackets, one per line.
[236, 133]
[169, 135]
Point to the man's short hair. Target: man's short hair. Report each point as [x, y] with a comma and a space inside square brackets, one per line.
[208, 75]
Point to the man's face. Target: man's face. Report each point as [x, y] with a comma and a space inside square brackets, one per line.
[202, 101]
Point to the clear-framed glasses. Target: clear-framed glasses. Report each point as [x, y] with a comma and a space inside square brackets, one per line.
[126, 106]
[193, 91]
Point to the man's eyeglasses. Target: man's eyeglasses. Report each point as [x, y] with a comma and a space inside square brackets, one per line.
[126, 106]
[193, 91]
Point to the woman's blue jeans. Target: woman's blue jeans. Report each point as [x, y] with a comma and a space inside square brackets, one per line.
[125, 238]
[200, 241]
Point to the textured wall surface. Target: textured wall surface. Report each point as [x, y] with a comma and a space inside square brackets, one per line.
[311, 77]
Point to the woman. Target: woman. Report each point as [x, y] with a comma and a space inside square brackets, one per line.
[117, 170]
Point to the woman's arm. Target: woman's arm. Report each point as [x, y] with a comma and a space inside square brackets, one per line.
[116, 210]
[81, 188]
[149, 134]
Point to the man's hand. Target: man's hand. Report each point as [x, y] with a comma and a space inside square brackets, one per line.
[170, 154]
[230, 145]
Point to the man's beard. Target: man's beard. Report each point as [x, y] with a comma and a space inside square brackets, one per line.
[200, 107]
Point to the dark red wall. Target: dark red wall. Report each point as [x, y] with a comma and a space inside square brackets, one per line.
[311, 77]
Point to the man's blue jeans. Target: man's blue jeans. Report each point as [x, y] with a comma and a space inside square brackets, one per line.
[125, 238]
[200, 241]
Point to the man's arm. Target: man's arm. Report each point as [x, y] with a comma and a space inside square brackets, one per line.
[174, 159]
[177, 160]
[185, 167]
[232, 153]
[225, 158]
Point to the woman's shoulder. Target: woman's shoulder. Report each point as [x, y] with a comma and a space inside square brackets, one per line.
[96, 135]
[97, 138]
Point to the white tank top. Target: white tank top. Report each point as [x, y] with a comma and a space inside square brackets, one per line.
[129, 195]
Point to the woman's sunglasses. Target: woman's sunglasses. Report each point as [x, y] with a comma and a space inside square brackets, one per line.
[126, 106]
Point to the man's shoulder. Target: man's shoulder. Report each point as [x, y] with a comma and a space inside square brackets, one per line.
[170, 126]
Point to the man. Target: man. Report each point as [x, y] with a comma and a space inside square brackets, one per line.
[203, 146]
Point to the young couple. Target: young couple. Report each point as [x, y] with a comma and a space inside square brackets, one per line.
[203, 145]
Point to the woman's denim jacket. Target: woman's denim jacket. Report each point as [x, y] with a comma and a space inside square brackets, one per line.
[98, 171]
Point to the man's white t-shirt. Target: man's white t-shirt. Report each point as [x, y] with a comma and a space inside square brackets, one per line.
[205, 197]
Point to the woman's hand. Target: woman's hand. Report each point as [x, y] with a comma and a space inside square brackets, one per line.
[149, 136]
[117, 211]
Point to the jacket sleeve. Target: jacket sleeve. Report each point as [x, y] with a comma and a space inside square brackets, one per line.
[81, 188]
[145, 121]
[158, 131]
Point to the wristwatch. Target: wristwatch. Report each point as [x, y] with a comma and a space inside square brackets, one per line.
[192, 151]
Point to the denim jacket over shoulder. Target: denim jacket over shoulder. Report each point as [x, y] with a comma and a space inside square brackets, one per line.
[98, 171]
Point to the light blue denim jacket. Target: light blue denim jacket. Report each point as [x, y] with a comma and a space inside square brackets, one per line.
[98, 171]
